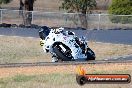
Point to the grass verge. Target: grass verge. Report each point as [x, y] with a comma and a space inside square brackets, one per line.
[60, 79]
[20, 49]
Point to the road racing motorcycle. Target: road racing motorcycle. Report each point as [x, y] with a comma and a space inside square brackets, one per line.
[64, 45]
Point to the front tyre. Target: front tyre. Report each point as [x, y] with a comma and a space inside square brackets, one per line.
[90, 54]
[62, 55]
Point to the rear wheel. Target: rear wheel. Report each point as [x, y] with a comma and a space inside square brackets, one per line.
[61, 54]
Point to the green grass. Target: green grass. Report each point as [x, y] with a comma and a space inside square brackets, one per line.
[64, 79]
[54, 80]
[19, 81]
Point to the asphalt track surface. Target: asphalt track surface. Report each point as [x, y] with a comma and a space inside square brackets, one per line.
[107, 36]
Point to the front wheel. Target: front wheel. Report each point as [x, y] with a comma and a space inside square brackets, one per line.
[90, 54]
[62, 55]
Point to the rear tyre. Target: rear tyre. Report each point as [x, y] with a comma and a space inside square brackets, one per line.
[61, 55]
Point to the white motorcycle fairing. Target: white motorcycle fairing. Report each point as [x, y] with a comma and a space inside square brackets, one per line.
[65, 46]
